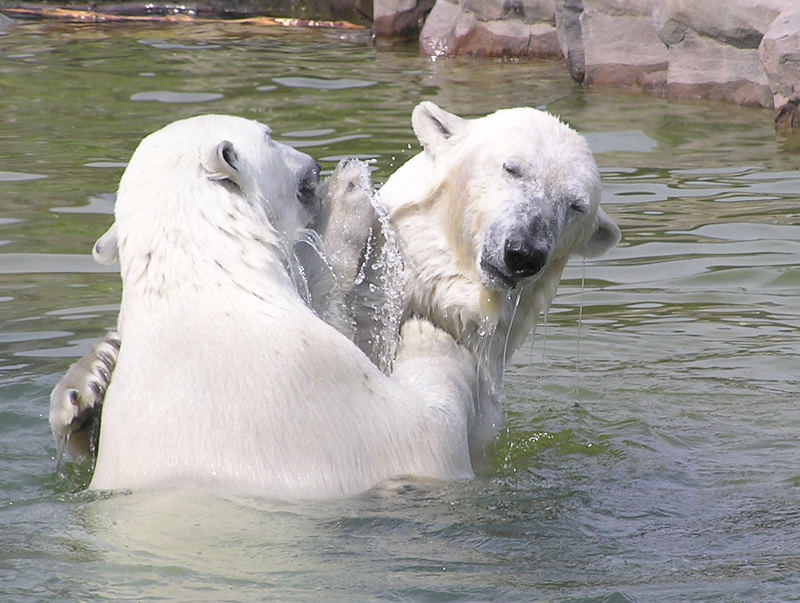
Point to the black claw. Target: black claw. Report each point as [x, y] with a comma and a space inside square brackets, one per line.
[81, 422]
[74, 397]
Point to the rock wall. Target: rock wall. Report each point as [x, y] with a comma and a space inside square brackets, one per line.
[741, 51]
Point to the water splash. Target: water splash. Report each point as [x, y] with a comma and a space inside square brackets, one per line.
[307, 250]
[383, 264]
[368, 308]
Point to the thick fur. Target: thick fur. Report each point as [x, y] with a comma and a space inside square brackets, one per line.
[225, 378]
[487, 217]
[328, 259]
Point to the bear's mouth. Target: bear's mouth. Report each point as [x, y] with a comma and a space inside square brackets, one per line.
[494, 278]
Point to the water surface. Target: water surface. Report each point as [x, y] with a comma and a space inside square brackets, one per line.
[652, 449]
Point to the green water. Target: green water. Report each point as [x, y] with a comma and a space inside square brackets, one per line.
[675, 476]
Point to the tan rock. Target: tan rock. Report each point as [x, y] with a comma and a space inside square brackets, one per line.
[399, 19]
[472, 28]
[779, 53]
[621, 46]
[570, 36]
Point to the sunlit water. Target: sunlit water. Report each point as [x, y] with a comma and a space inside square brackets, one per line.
[675, 476]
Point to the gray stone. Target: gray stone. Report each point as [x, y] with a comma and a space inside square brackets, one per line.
[437, 36]
[701, 67]
[399, 19]
[621, 45]
[737, 23]
[454, 29]
[713, 48]
[779, 53]
[570, 36]
[527, 11]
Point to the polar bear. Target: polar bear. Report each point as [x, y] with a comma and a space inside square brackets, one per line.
[225, 378]
[486, 217]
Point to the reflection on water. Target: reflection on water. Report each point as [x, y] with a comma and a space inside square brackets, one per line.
[676, 474]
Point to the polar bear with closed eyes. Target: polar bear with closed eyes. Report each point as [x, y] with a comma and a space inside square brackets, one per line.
[486, 217]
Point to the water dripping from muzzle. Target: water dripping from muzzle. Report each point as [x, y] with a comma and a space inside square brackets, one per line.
[578, 343]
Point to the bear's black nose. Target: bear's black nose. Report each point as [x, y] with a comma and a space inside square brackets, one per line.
[307, 187]
[522, 258]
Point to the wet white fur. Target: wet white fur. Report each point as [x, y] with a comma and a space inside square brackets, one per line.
[225, 378]
[454, 201]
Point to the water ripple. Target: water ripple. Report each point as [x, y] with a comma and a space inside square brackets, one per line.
[50, 263]
[164, 45]
[19, 176]
[631, 141]
[320, 84]
[321, 142]
[98, 204]
[168, 96]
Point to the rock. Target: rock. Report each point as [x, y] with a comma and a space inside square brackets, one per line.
[570, 36]
[516, 28]
[742, 51]
[713, 48]
[737, 23]
[439, 31]
[702, 67]
[779, 52]
[527, 11]
[621, 45]
[399, 19]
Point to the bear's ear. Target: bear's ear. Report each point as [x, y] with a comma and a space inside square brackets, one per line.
[106, 250]
[605, 236]
[434, 126]
[223, 163]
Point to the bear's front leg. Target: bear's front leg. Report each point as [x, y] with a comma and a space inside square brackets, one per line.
[76, 401]
[430, 359]
[345, 225]
[444, 375]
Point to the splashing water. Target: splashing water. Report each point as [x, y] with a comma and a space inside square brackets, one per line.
[371, 306]
[307, 246]
[382, 258]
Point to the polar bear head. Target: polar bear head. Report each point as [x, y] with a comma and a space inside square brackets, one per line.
[488, 215]
[233, 152]
[205, 196]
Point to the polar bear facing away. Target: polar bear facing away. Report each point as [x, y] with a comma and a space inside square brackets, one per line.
[487, 216]
[225, 378]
